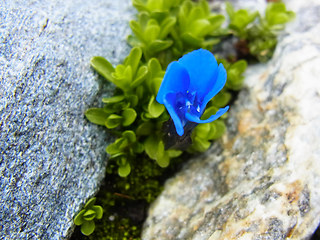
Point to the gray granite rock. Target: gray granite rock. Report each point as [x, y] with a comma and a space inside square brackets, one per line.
[52, 158]
[261, 181]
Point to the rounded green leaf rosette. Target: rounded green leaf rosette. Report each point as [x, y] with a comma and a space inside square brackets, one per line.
[86, 216]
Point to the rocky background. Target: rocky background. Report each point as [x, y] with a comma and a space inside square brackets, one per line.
[261, 181]
[52, 158]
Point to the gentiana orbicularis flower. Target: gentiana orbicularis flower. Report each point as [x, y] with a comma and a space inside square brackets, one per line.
[188, 85]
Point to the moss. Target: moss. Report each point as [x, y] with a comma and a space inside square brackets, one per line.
[125, 200]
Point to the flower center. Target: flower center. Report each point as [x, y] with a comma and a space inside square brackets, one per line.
[187, 102]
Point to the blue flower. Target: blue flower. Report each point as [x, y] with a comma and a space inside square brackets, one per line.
[188, 85]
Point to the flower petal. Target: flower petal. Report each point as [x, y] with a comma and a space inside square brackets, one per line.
[220, 81]
[202, 67]
[193, 118]
[169, 102]
[176, 79]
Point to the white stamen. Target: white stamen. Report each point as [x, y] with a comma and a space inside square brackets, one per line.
[188, 104]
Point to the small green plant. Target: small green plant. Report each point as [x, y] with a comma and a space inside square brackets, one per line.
[164, 31]
[258, 35]
[86, 216]
[139, 158]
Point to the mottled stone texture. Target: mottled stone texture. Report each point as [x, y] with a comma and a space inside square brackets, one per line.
[52, 158]
[261, 181]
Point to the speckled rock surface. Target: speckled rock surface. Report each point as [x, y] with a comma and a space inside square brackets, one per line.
[261, 181]
[52, 158]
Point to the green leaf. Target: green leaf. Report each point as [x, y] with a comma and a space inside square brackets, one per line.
[113, 121]
[152, 31]
[78, 220]
[208, 113]
[172, 153]
[154, 66]
[114, 99]
[202, 131]
[182, 17]
[136, 29]
[155, 77]
[130, 135]
[155, 109]
[129, 115]
[99, 211]
[144, 18]
[139, 5]
[161, 157]
[118, 154]
[167, 4]
[279, 18]
[122, 161]
[145, 116]
[154, 4]
[184, 12]
[138, 147]
[128, 75]
[220, 129]
[151, 147]
[155, 150]
[242, 18]
[156, 85]
[87, 227]
[195, 13]
[276, 13]
[145, 129]
[234, 82]
[159, 15]
[123, 143]
[89, 215]
[234, 75]
[166, 26]
[191, 39]
[163, 161]
[140, 92]
[124, 170]
[276, 7]
[116, 107]
[133, 100]
[134, 41]
[263, 48]
[114, 148]
[201, 145]
[90, 203]
[119, 71]
[204, 7]
[212, 132]
[200, 28]
[103, 67]
[230, 10]
[209, 43]
[221, 99]
[240, 66]
[140, 76]
[273, 9]
[216, 21]
[159, 45]
[122, 76]
[239, 21]
[97, 116]
[133, 59]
